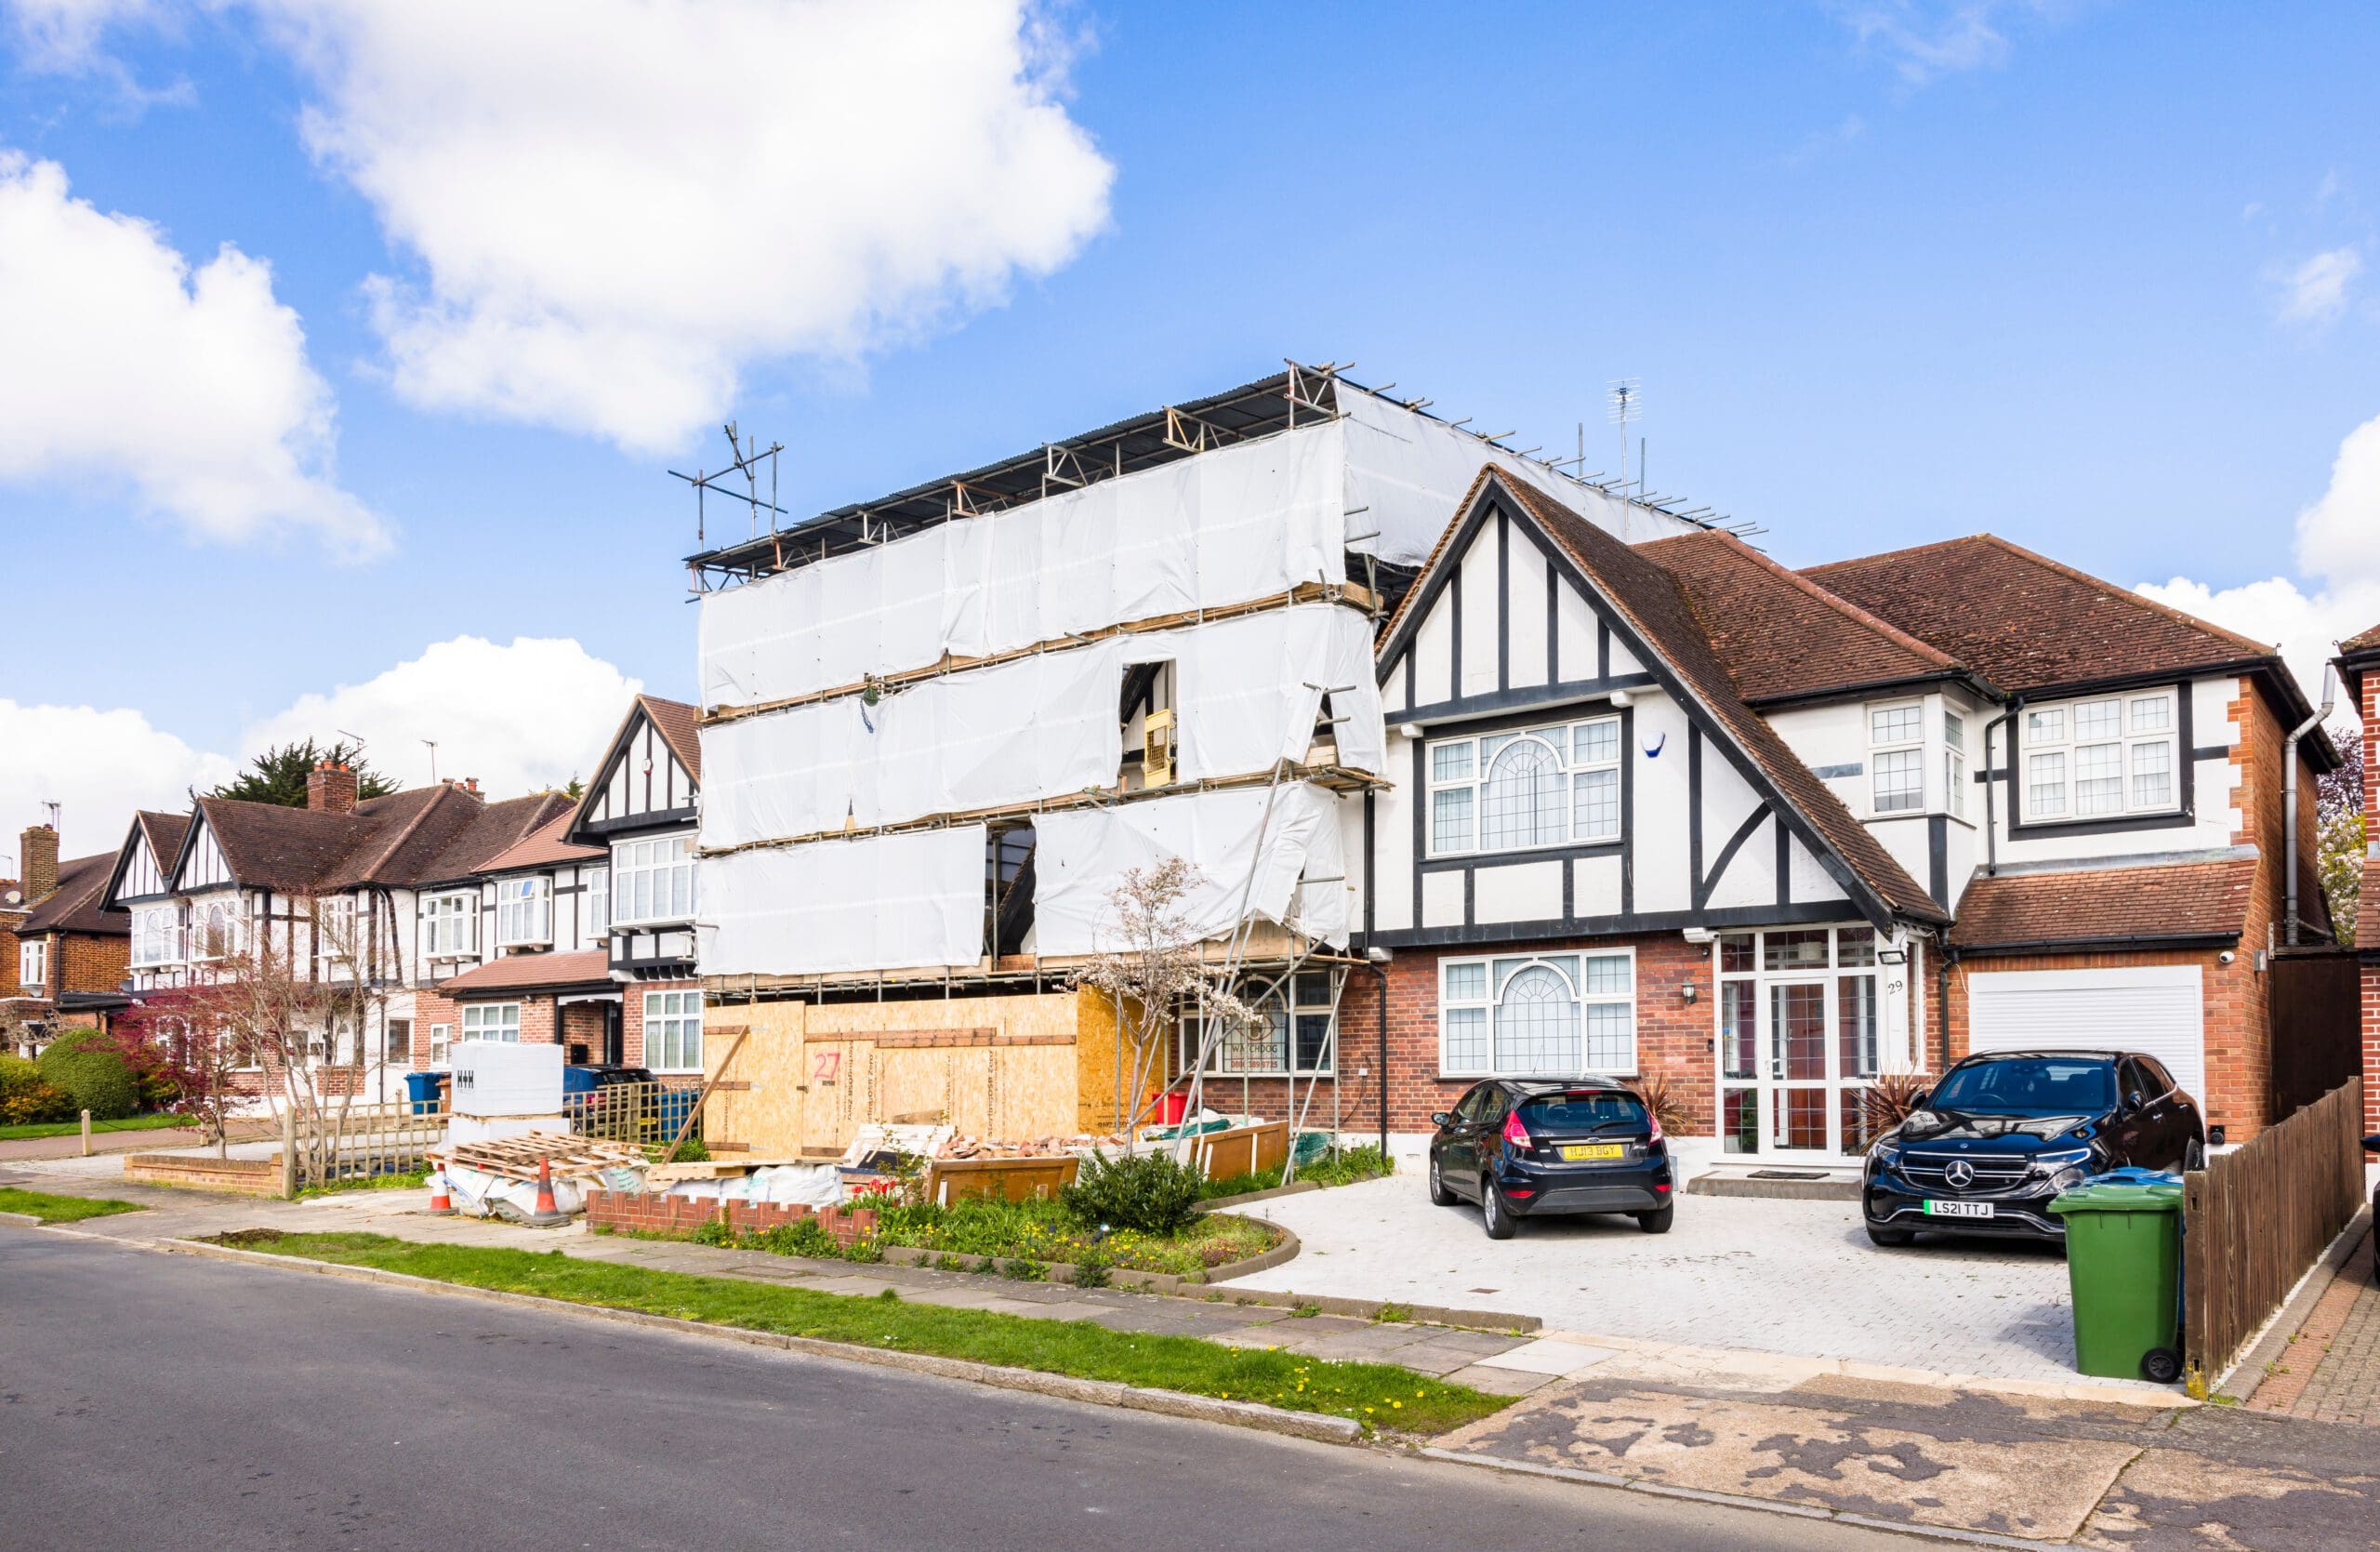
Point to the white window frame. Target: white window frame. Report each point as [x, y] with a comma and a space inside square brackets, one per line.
[653, 881]
[32, 964]
[524, 912]
[2147, 728]
[335, 933]
[1308, 994]
[1492, 1001]
[671, 1019]
[1954, 761]
[441, 1040]
[450, 926]
[1908, 751]
[599, 901]
[1573, 770]
[496, 1021]
[206, 943]
[153, 937]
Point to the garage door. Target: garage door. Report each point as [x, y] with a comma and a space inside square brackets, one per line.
[2158, 1009]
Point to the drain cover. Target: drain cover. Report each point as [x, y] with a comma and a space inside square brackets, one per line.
[1789, 1174]
[1486, 1290]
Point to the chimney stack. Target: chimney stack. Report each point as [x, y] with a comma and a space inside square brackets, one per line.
[330, 787]
[38, 853]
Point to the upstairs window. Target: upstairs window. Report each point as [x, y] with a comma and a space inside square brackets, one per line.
[158, 935]
[1896, 756]
[33, 965]
[599, 902]
[450, 926]
[1553, 786]
[1954, 764]
[2106, 758]
[653, 881]
[335, 920]
[524, 912]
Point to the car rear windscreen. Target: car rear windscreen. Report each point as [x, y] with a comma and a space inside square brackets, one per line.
[1593, 1110]
[2028, 1086]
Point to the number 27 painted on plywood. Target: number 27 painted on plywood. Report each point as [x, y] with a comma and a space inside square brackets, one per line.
[825, 1066]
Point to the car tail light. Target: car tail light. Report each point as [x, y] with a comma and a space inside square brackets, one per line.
[1657, 1127]
[1517, 1134]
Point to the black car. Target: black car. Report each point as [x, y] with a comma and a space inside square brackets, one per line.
[1525, 1149]
[1989, 1146]
[2372, 1145]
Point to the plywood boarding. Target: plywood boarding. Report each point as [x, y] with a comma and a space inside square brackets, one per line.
[1013, 1179]
[995, 1066]
[1099, 1056]
[757, 1105]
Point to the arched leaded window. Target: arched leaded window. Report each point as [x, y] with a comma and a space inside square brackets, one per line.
[1548, 1015]
[1537, 1021]
[1522, 802]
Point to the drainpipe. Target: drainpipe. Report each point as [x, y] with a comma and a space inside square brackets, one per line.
[1991, 788]
[1942, 997]
[2289, 799]
[1376, 961]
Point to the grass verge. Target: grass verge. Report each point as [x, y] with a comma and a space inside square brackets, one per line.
[31, 1129]
[51, 1208]
[405, 1180]
[1377, 1395]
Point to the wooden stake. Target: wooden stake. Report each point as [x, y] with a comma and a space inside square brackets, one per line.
[712, 1082]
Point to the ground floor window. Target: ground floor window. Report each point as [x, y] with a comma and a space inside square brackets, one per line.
[396, 1042]
[673, 1031]
[1538, 1014]
[1799, 1021]
[442, 1038]
[1298, 1035]
[492, 1021]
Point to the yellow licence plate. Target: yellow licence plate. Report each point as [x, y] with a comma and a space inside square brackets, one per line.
[1574, 1152]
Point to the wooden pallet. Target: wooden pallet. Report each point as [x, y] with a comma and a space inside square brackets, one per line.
[518, 1157]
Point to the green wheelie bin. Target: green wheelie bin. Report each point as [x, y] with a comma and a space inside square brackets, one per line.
[2123, 1262]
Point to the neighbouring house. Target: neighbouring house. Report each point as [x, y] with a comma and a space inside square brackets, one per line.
[65, 952]
[336, 886]
[2358, 664]
[1670, 809]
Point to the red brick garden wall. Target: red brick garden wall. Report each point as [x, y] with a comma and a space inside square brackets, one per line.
[654, 1213]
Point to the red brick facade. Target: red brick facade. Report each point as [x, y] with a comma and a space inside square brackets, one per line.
[651, 1213]
[2369, 931]
[542, 1023]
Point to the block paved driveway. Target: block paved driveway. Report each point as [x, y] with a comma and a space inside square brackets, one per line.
[1796, 1278]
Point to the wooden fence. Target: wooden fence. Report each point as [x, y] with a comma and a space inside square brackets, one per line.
[2253, 1220]
[647, 1114]
[2317, 1025]
[360, 1141]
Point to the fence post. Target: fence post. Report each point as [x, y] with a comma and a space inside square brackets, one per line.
[87, 1134]
[288, 1152]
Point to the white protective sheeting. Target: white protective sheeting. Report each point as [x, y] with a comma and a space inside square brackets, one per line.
[1044, 726]
[1080, 856]
[880, 902]
[1408, 472]
[1229, 526]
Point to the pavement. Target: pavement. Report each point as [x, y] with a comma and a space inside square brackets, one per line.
[2329, 1369]
[153, 1401]
[150, 1140]
[1795, 1277]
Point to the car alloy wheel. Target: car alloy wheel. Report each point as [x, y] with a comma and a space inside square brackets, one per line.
[1439, 1195]
[1493, 1215]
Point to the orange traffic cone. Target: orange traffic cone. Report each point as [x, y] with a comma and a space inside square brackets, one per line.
[547, 1213]
[441, 1203]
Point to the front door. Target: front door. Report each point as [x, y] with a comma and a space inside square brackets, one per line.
[1796, 1077]
[1798, 1043]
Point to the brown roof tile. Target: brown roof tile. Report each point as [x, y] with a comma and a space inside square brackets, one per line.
[2026, 622]
[494, 828]
[1652, 600]
[164, 832]
[680, 727]
[2088, 905]
[530, 973]
[2368, 641]
[1781, 635]
[73, 906]
[543, 847]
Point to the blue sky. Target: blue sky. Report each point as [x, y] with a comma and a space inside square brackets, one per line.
[2091, 276]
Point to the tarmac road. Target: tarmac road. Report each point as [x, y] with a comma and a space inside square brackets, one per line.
[149, 1400]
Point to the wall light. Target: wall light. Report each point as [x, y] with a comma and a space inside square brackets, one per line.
[1892, 955]
[1687, 991]
[1408, 730]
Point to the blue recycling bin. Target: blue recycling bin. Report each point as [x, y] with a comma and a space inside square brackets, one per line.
[674, 1105]
[422, 1090]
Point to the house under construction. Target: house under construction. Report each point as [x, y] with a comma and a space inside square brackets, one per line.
[939, 728]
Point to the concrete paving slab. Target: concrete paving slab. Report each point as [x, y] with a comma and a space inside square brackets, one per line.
[1549, 1356]
[1500, 1381]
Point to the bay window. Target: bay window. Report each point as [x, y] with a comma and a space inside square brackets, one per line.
[1543, 1016]
[1552, 786]
[2105, 758]
[524, 912]
[652, 882]
[450, 926]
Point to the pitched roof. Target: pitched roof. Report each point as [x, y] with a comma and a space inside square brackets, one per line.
[423, 835]
[2368, 641]
[1652, 601]
[680, 727]
[496, 828]
[1781, 635]
[163, 833]
[531, 971]
[2026, 622]
[2179, 901]
[73, 906]
[543, 847]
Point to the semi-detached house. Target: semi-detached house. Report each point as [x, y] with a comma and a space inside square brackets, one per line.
[61, 956]
[1671, 809]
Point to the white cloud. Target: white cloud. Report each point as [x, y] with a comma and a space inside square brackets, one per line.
[65, 34]
[2338, 540]
[122, 365]
[1928, 38]
[2316, 292]
[619, 206]
[520, 717]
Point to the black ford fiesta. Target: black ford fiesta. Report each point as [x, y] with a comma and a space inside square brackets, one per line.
[2001, 1135]
[1525, 1149]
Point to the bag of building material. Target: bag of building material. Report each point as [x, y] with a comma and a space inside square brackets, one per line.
[798, 1185]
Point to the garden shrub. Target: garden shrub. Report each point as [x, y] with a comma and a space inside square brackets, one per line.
[1150, 1193]
[25, 1099]
[91, 1074]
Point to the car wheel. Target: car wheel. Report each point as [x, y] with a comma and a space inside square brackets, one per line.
[1493, 1215]
[1439, 1195]
[1658, 1220]
[1890, 1239]
[2194, 1155]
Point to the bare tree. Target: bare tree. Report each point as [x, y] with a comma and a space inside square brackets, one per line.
[1152, 969]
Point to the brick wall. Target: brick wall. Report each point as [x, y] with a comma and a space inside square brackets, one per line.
[2370, 931]
[654, 1213]
[90, 961]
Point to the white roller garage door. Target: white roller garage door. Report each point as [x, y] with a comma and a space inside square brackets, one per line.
[2157, 1008]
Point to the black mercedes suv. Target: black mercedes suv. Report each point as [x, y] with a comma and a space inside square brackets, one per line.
[1526, 1148]
[2001, 1134]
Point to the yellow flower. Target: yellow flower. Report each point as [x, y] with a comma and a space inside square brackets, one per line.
[1398, 1405]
